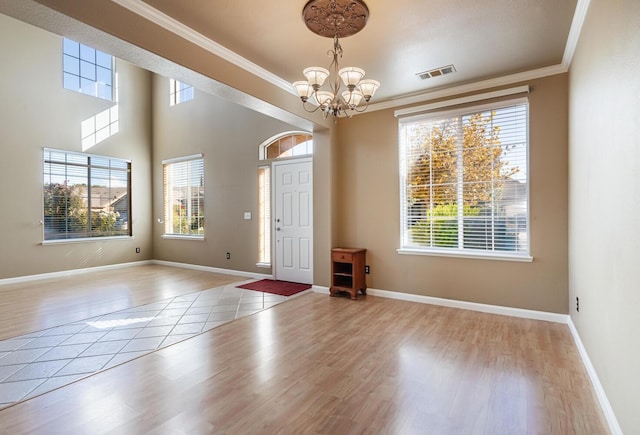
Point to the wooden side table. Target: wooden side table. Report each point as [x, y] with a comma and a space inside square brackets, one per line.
[347, 271]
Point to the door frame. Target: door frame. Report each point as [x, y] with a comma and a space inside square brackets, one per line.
[281, 162]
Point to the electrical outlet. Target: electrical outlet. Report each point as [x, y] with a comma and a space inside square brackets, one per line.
[367, 270]
[228, 255]
[577, 304]
[137, 250]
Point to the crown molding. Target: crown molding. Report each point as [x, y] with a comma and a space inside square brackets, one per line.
[414, 110]
[574, 33]
[469, 87]
[157, 17]
[174, 26]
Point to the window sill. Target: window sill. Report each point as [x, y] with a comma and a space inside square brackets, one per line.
[467, 254]
[264, 265]
[182, 237]
[83, 240]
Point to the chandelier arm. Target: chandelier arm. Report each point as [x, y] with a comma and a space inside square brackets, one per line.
[361, 108]
[304, 106]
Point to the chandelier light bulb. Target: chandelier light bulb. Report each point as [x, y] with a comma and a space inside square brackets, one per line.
[304, 89]
[352, 98]
[351, 76]
[316, 75]
[324, 98]
[368, 87]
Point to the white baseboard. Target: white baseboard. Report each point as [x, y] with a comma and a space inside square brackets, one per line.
[320, 289]
[213, 269]
[64, 273]
[605, 405]
[451, 303]
[607, 410]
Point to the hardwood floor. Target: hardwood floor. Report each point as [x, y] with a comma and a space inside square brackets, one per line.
[36, 305]
[316, 364]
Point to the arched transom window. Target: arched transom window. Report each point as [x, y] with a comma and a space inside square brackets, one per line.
[290, 144]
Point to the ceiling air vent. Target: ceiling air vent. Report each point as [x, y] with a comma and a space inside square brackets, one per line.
[436, 72]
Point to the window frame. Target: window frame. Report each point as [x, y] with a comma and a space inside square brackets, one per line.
[263, 148]
[89, 166]
[180, 92]
[461, 252]
[264, 216]
[167, 220]
[83, 65]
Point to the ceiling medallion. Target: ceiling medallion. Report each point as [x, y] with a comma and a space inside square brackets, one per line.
[331, 18]
[335, 19]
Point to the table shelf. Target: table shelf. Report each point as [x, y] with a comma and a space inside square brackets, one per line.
[348, 271]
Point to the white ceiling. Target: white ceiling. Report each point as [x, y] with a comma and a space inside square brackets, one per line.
[482, 39]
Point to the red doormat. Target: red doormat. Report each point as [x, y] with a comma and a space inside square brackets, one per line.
[283, 288]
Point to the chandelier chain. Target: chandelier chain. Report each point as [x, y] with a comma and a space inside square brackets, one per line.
[335, 19]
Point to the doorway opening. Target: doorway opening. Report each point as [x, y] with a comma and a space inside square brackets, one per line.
[285, 206]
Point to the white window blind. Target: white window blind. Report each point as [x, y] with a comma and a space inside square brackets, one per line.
[464, 181]
[85, 196]
[264, 215]
[183, 186]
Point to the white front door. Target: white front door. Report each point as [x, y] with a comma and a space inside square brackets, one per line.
[293, 181]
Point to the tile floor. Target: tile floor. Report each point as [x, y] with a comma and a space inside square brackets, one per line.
[35, 363]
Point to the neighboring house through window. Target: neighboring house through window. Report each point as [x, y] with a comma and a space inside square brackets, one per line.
[284, 145]
[183, 186]
[87, 70]
[464, 182]
[85, 196]
[179, 92]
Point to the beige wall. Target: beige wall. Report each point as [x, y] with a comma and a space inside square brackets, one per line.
[36, 112]
[604, 186]
[324, 203]
[368, 213]
[133, 31]
[356, 182]
[355, 190]
[228, 136]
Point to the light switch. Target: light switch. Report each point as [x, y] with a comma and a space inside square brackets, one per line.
[247, 215]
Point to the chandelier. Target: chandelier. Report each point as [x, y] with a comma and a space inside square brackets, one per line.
[335, 19]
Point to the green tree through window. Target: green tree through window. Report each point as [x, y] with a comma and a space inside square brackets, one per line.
[464, 181]
[183, 180]
[85, 196]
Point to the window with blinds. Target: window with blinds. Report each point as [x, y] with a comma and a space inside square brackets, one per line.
[464, 181]
[183, 187]
[85, 196]
[264, 215]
